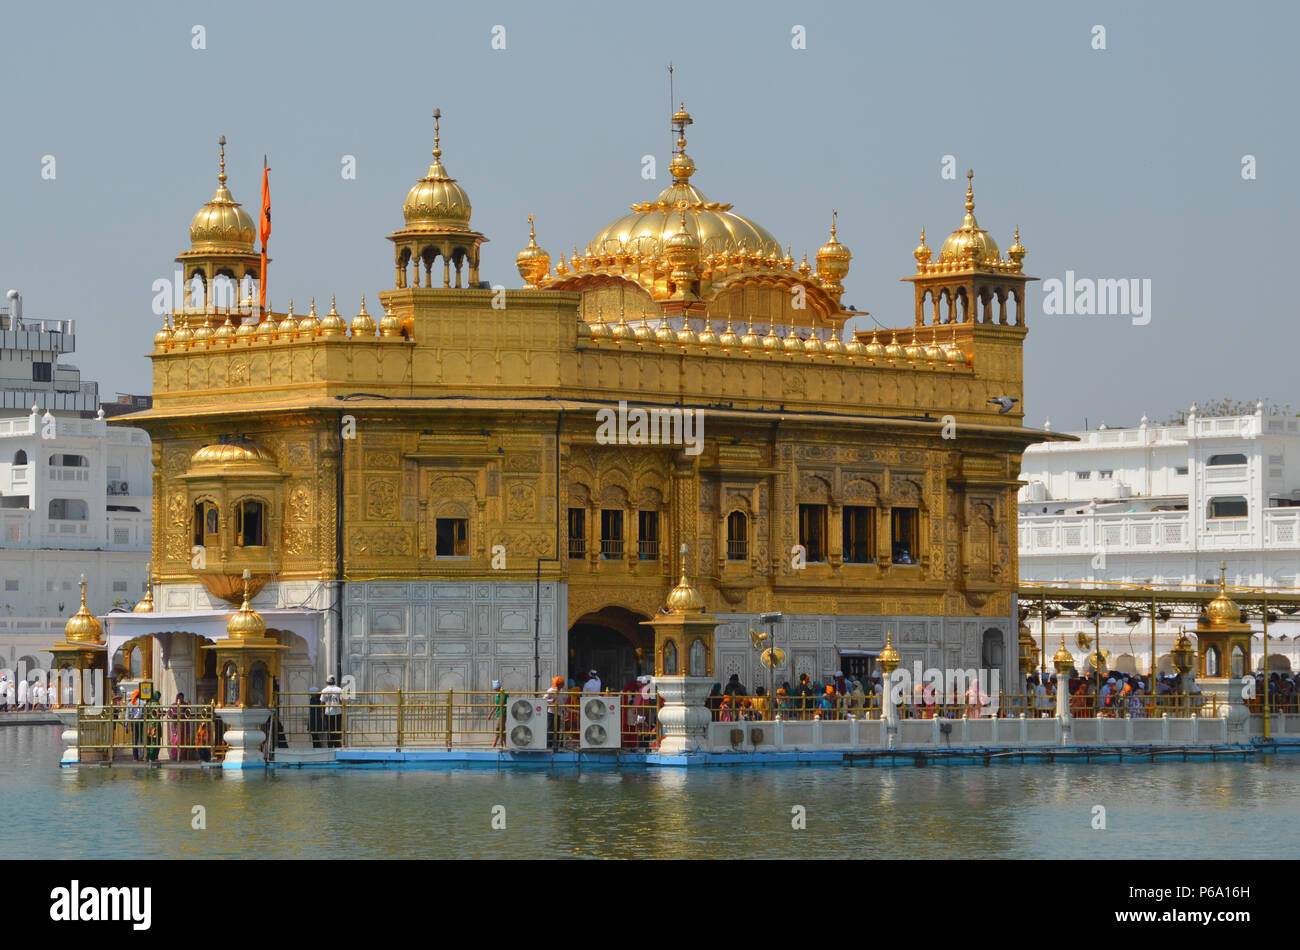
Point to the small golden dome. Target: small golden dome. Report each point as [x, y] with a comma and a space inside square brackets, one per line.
[246, 623]
[888, 658]
[805, 269]
[922, 252]
[729, 340]
[833, 258]
[621, 331]
[834, 346]
[390, 324]
[145, 606]
[771, 342]
[182, 338]
[225, 454]
[584, 330]
[708, 339]
[561, 268]
[222, 224]
[83, 627]
[162, 340]
[203, 333]
[954, 355]
[436, 202]
[914, 351]
[642, 332]
[601, 331]
[224, 333]
[533, 262]
[893, 351]
[856, 349]
[664, 334]
[1017, 251]
[247, 331]
[750, 340]
[792, 344]
[309, 325]
[686, 336]
[266, 328]
[1222, 610]
[363, 324]
[684, 598]
[970, 242]
[288, 327]
[814, 346]
[934, 352]
[332, 324]
[1063, 660]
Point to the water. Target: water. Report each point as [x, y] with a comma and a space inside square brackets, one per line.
[1227, 809]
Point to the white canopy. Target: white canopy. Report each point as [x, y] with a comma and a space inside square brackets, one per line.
[121, 627]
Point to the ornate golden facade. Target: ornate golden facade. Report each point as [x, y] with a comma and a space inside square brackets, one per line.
[475, 406]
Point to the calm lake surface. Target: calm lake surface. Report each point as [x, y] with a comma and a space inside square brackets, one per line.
[1227, 809]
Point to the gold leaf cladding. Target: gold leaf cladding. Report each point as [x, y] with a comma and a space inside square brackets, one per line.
[380, 542]
[382, 459]
[381, 499]
[523, 462]
[300, 504]
[297, 540]
[300, 455]
[521, 501]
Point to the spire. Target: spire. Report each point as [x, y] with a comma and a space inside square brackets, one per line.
[970, 192]
[437, 146]
[221, 174]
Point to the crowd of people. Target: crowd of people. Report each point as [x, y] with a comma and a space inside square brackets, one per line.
[31, 695]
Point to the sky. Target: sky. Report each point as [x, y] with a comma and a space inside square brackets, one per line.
[1168, 156]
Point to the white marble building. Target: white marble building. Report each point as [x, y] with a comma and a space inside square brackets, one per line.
[1164, 504]
[75, 494]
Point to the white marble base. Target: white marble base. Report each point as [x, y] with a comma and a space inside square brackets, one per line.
[685, 717]
[243, 736]
[68, 717]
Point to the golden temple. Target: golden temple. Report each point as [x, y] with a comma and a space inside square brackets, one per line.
[426, 487]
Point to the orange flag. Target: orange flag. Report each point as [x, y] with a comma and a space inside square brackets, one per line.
[265, 230]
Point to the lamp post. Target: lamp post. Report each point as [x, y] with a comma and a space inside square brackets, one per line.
[771, 619]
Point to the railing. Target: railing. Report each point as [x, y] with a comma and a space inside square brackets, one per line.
[174, 733]
[444, 719]
[1149, 531]
[611, 547]
[68, 473]
[647, 550]
[577, 547]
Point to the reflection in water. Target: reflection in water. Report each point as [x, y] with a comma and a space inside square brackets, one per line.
[1179, 810]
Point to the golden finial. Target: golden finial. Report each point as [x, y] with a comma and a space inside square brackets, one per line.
[970, 192]
[437, 147]
[221, 174]
[532, 234]
[834, 214]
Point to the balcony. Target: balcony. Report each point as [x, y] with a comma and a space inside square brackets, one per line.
[1087, 534]
[68, 473]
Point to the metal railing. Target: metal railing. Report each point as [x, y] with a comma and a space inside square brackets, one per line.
[148, 733]
[444, 719]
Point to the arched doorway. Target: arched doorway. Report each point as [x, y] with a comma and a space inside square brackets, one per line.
[612, 642]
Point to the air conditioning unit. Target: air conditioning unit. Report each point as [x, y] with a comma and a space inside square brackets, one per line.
[599, 725]
[526, 724]
[121, 488]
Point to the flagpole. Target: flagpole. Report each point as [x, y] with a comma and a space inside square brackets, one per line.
[265, 228]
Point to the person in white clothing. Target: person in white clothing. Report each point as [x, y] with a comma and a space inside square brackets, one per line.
[22, 694]
[38, 695]
[4, 692]
[593, 682]
[331, 699]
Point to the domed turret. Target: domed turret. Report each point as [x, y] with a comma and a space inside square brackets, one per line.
[288, 327]
[914, 351]
[664, 335]
[771, 342]
[835, 347]
[970, 242]
[83, 627]
[922, 252]
[1017, 251]
[332, 324]
[436, 201]
[814, 346]
[309, 325]
[708, 339]
[363, 324]
[833, 260]
[533, 262]
[792, 345]
[729, 340]
[222, 224]
[894, 351]
[225, 333]
[390, 324]
[162, 340]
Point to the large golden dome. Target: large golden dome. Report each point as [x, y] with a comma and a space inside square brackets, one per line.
[648, 230]
[222, 224]
[83, 627]
[435, 201]
[970, 240]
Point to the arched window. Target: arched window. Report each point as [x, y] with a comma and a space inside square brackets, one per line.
[135, 663]
[69, 461]
[991, 652]
[699, 658]
[250, 524]
[1228, 458]
[20, 457]
[230, 685]
[258, 685]
[67, 509]
[1238, 660]
[670, 658]
[1212, 662]
[737, 536]
[207, 524]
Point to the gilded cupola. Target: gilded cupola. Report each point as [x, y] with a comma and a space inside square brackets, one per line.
[970, 242]
[83, 627]
[436, 201]
[833, 260]
[222, 224]
[533, 262]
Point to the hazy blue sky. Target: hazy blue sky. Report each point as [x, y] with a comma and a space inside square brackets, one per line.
[1122, 163]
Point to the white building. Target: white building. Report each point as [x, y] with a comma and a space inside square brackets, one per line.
[1164, 505]
[75, 494]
